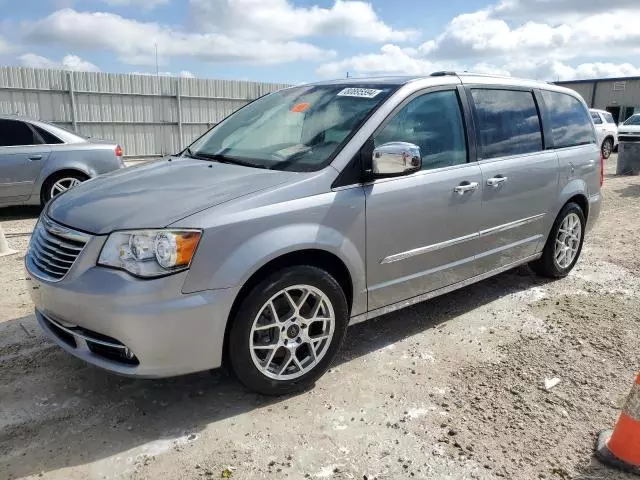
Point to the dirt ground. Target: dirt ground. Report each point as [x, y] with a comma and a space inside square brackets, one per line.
[449, 389]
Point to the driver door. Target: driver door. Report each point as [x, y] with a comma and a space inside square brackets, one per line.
[22, 155]
[422, 228]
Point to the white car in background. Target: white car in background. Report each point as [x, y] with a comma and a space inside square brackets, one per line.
[631, 126]
[607, 131]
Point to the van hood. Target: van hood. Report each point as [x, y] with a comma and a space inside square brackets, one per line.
[157, 194]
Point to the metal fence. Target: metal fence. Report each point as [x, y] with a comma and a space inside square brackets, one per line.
[147, 115]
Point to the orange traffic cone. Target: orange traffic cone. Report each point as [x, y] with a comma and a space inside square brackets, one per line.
[621, 447]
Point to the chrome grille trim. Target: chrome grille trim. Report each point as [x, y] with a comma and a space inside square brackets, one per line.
[83, 335]
[53, 249]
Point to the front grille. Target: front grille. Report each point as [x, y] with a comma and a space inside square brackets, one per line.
[54, 248]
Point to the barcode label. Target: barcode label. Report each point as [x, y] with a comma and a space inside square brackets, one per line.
[359, 92]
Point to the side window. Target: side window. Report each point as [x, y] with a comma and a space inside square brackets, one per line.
[15, 133]
[47, 137]
[434, 123]
[596, 118]
[569, 120]
[508, 122]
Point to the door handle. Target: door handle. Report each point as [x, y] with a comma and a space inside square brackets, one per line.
[497, 181]
[465, 187]
[35, 157]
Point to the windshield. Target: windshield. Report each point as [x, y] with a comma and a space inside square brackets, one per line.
[608, 118]
[634, 120]
[299, 129]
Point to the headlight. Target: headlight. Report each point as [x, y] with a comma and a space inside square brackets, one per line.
[150, 253]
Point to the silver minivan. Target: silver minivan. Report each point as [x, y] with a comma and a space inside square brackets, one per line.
[310, 209]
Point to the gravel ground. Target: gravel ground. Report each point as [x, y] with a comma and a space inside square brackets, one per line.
[449, 389]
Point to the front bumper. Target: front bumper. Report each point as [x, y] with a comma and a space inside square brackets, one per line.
[142, 328]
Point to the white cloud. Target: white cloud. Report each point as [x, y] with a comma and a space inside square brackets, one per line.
[4, 46]
[279, 19]
[587, 46]
[135, 42]
[483, 34]
[564, 9]
[394, 60]
[68, 62]
[479, 34]
[556, 70]
[144, 4]
[391, 59]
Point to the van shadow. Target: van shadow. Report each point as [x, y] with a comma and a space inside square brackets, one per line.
[60, 412]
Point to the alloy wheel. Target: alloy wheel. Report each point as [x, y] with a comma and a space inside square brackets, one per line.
[568, 240]
[292, 332]
[63, 185]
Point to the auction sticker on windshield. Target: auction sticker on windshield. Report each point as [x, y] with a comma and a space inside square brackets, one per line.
[359, 92]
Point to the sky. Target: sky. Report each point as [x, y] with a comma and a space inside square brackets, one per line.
[298, 41]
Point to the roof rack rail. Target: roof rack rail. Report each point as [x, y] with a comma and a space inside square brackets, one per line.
[446, 73]
[443, 73]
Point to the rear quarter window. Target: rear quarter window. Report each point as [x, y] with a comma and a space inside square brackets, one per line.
[47, 137]
[570, 121]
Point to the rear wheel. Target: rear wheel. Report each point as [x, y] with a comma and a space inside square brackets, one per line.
[288, 330]
[564, 244]
[60, 183]
[607, 148]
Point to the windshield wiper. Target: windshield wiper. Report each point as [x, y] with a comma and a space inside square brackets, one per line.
[219, 157]
[189, 153]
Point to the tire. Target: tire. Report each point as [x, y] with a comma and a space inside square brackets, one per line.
[607, 148]
[284, 369]
[553, 264]
[46, 193]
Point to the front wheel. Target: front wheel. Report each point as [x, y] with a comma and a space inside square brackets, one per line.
[564, 245]
[288, 330]
[607, 148]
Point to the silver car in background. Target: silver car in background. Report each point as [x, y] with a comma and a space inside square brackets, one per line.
[39, 160]
[310, 209]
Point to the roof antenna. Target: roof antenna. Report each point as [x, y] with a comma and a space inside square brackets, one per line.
[347, 74]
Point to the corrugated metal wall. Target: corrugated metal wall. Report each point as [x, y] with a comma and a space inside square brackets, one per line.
[145, 114]
[608, 92]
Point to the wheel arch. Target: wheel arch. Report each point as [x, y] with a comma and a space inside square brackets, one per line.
[582, 201]
[59, 173]
[315, 257]
[574, 191]
[608, 137]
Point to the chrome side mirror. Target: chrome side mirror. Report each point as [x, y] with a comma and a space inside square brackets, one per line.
[396, 158]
